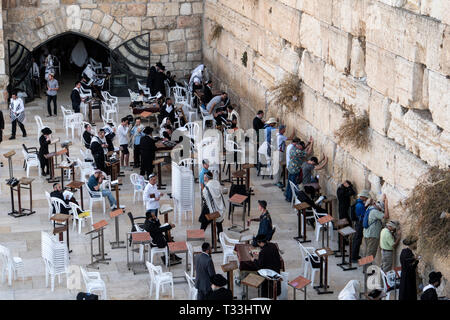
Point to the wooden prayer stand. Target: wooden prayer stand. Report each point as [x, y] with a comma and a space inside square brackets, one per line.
[240, 177]
[113, 169]
[91, 103]
[324, 222]
[229, 268]
[195, 235]
[137, 238]
[63, 220]
[8, 156]
[157, 163]
[365, 261]
[212, 217]
[178, 247]
[115, 214]
[301, 211]
[299, 283]
[239, 200]
[50, 157]
[71, 166]
[329, 204]
[252, 280]
[166, 220]
[247, 167]
[77, 185]
[24, 183]
[341, 223]
[54, 142]
[323, 253]
[98, 228]
[346, 232]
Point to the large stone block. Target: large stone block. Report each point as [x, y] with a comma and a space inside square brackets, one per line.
[132, 23]
[379, 114]
[158, 35]
[185, 9]
[86, 26]
[107, 21]
[408, 83]
[136, 10]
[336, 49]
[166, 22]
[310, 34]
[177, 34]
[311, 71]
[439, 99]
[177, 47]
[94, 32]
[97, 16]
[188, 21]
[158, 48]
[171, 9]
[155, 9]
[194, 45]
[148, 24]
[358, 58]
[105, 35]
[380, 69]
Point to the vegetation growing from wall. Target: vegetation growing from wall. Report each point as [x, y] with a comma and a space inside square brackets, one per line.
[288, 93]
[216, 31]
[355, 129]
[429, 209]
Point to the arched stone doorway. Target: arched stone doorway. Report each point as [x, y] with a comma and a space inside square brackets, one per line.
[128, 62]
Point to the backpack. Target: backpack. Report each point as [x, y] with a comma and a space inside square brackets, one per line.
[366, 219]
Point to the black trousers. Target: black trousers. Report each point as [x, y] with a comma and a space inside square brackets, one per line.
[146, 168]
[49, 109]
[44, 163]
[357, 239]
[100, 162]
[36, 86]
[76, 108]
[137, 156]
[14, 126]
[219, 226]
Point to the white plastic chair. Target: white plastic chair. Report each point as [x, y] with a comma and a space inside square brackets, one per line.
[40, 126]
[95, 196]
[228, 250]
[58, 204]
[189, 111]
[138, 188]
[155, 250]
[109, 112]
[93, 282]
[319, 227]
[31, 160]
[113, 100]
[144, 89]
[309, 255]
[56, 258]
[192, 289]
[191, 253]
[66, 112]
[50, 206]
[206, 117]
[178, 95]
[96, 66]
[193, 130]
[74, 122]
[159, 278]
[86, 93]
[10, 265]
[77, 219]
[133, 95]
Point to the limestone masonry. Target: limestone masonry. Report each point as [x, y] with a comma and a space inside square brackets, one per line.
[390, 58]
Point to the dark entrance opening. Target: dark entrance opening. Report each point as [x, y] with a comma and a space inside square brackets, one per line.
[127, 64]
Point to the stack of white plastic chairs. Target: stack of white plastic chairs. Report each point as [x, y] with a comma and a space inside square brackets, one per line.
[182, 191]
[56, 257]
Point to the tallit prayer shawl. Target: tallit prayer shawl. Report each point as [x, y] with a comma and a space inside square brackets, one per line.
[212, 193]
[197, 73]
[17, 110]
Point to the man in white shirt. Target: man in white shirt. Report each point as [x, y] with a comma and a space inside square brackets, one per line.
[289, 148]
[281, 145]
[17, 114]
[122, 131]
[151, 195]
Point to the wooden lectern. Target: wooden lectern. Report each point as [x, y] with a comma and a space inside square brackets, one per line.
[323, 254]
[299, 283]
[301, 211]
[346, 233]
[63, 221]
[229, 268]
[157, 163]
[252, 280]
[98, 229]
[241, 201]
[364, 262]
[51, 159]
[324, 222]
[115, 214]
[212, 217]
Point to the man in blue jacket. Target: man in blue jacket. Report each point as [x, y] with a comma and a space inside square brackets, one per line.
[265, 222]
[360, 209]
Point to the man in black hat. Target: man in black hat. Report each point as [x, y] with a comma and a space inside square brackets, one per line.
[268, 258]
[159, 79]
[207, 94]
[218, 282]
[44, 141]
[265, 222]
[148, 148]
[98, 147]
[429, 291]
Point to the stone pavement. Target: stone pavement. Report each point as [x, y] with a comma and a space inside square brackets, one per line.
[22, 235]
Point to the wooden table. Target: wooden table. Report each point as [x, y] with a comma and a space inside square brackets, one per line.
[115, 214]
[344, 233]
[299, 283]
[301, 211]
[323, 254]
[71, 166]
[341, 223]
[178, 247]
[238, 200]
[77, 185]
[195, 235]
[229, 268]
[212, 217]
[252, 280]
[157, 163]
[324, 222]
[50, 157]
[61, 219]
[364, 262]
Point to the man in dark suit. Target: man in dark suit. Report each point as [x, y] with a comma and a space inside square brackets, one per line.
[207, 93]
[258, 124]
[58, 193]
[148, 149]
[429, 291]
[268, 258]
[218, 292]
[75, 97]
[204, 270]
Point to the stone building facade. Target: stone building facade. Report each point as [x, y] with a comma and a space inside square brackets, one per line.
[174, 27]
[389, 58]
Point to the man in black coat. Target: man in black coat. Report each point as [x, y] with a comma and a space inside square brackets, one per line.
[148, 149]
[75, 97]
[429, 291]
[408, 261]
[344, 193]
[204, 270]
[87, 135]
[44, 141]
[268, 258]
[2, 126]
[98, 145]
[58, 193]
[167, 110]
[218, 292]
[158, 79]
[207, 93]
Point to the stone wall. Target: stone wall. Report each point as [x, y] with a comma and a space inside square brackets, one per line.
[174, 25]
[390, 58]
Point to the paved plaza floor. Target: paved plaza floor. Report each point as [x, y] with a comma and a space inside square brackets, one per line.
[22, 235]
